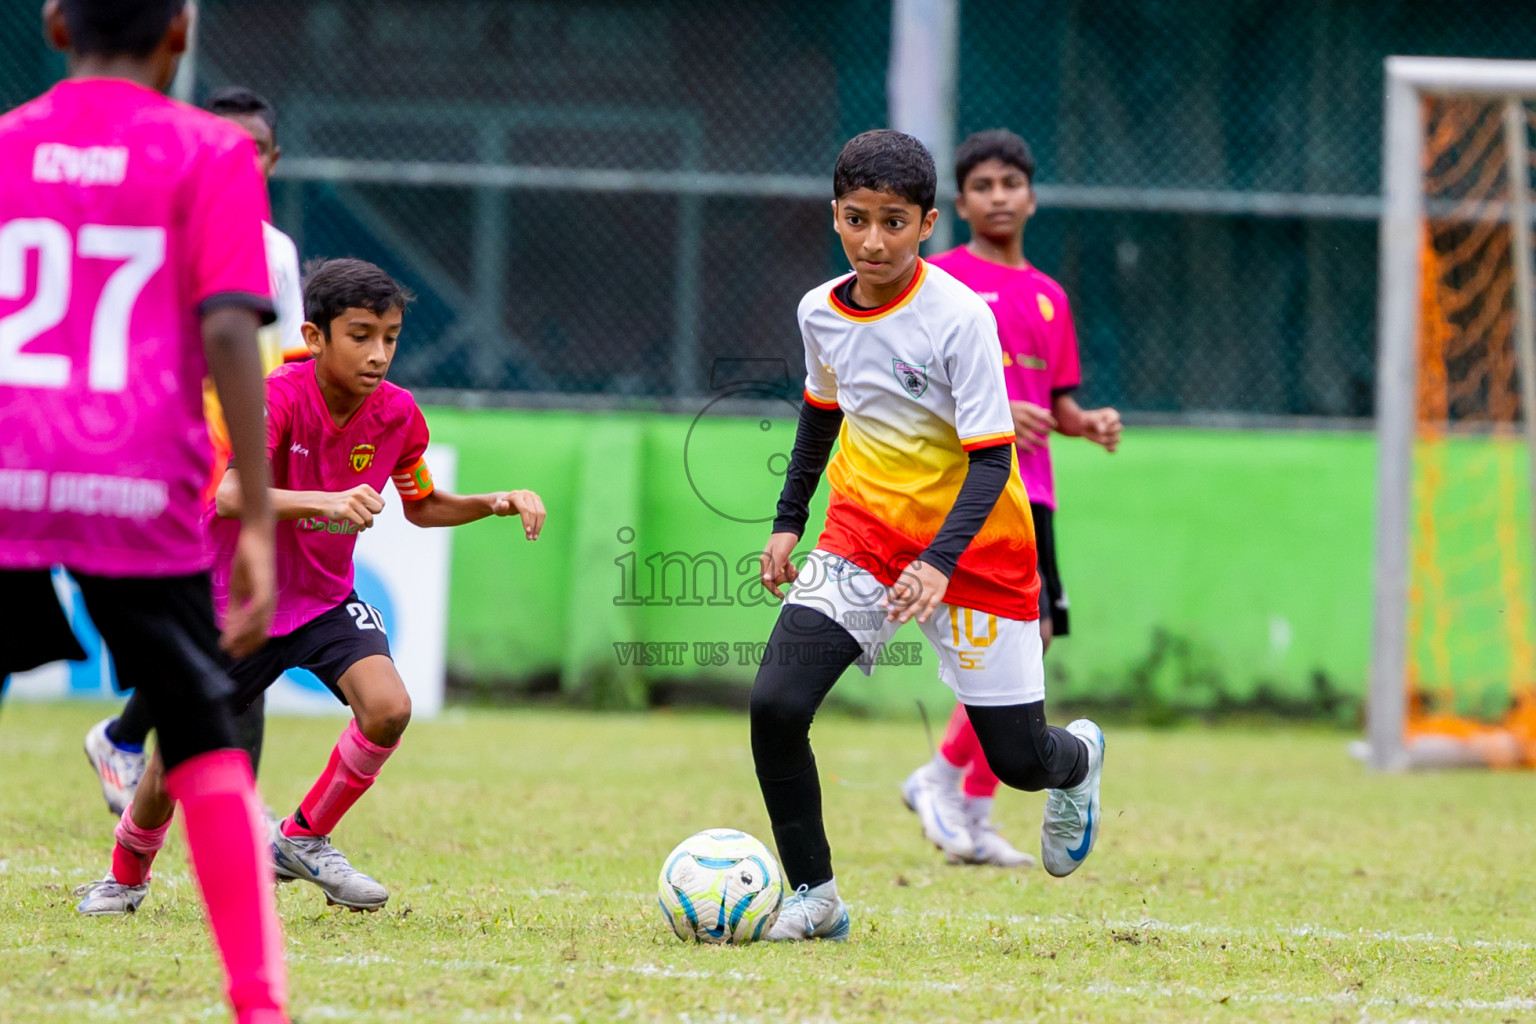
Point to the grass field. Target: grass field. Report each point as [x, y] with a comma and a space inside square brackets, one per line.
[1242, 875]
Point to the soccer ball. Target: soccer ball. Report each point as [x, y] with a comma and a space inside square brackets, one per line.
[720, 886]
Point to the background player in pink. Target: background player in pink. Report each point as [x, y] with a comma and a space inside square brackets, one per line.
[336, 431]
[131, 266]
[994, 174]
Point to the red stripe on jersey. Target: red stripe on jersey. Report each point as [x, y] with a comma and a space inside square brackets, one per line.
[819, 403]
[987, 441]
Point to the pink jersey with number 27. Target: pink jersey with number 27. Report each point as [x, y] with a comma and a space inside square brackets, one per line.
[386, 439]
[124, 217]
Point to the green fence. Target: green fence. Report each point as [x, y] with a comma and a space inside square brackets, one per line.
[595, 197]
[1203, 566]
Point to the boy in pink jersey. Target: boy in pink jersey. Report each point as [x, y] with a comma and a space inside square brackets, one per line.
[114, 747]
[131, 266]
[994, 172]
[336, 431]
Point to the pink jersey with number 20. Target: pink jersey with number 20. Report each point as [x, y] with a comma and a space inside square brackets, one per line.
[124, 216]
[386, 439]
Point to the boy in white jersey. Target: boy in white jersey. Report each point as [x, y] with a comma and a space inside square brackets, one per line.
[115, 746]
[928, 519]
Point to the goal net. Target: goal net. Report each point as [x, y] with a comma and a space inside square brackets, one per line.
[1454, 660]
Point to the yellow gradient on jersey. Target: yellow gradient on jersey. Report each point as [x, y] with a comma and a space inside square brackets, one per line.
[909, 478]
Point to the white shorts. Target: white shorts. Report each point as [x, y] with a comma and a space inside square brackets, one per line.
[986, 659]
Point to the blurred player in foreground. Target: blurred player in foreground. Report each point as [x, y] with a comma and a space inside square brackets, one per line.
[336, 431]
[115, 746]
[928, 519]
[994, 175]
[131, 267]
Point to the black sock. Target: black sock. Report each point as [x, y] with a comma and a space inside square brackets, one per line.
[131, 726]
[794, 807]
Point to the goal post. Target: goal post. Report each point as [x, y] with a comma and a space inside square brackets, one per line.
[1453, 664]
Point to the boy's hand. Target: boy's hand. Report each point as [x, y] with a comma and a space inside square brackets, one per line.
[919, 590]
[775, 565]
[357, 506]
[251, 595]
[1032, 425]
[526, 504]
[1102, 427]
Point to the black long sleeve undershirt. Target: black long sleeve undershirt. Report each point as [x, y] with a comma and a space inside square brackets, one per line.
[986, 476]
[814, 437]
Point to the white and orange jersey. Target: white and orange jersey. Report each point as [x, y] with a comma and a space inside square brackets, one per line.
[283, 341]
[920, 383]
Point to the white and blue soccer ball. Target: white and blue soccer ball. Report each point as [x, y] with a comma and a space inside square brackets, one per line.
[720, 886]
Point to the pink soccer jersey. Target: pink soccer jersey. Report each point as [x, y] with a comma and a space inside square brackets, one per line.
[124, 216]
[1034, 324]
[386, 439]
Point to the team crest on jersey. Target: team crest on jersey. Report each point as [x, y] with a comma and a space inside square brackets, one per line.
[362, 457]
[913, 377]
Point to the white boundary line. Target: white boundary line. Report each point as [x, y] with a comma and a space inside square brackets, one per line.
[106, 1009]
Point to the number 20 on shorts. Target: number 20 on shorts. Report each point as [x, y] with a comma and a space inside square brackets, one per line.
[970, 659]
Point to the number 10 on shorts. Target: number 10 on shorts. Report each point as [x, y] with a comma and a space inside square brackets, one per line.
[970, 659]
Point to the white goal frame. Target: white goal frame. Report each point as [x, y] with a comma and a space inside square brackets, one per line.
[1408, 80]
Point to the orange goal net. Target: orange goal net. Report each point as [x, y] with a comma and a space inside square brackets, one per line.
[1470, 679]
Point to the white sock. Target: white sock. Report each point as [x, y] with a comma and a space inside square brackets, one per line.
[825, 891]
[944, 773]
[978, 808]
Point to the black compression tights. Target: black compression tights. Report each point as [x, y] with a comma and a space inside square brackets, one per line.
[807, 653]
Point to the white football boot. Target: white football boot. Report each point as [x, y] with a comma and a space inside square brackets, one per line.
[313, 859]
[1071, 823]
[118, 770]
[941, 809]
[808, 913]
[992, 848]
[109, 896]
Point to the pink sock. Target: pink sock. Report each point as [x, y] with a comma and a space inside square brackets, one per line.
[234, 871]
[136, 848]
[979, 780]
[262, 1017]
[354, 764]
[960, 745]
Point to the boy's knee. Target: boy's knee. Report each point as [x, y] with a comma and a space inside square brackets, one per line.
[384, 722]
[778, 711]
[1018, 766]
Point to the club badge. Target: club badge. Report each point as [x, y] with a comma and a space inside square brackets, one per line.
[362, 457]
[913, 377]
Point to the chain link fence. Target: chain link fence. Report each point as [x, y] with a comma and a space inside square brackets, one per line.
[604, 199]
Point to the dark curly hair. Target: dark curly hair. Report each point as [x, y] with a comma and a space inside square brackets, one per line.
[237, 99]
[110, 28]
[996, 144]
[887, 161]
[331, 287]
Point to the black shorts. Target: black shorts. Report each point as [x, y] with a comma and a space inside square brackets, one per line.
[1053, 594]
[326, 645]
[162, 635]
